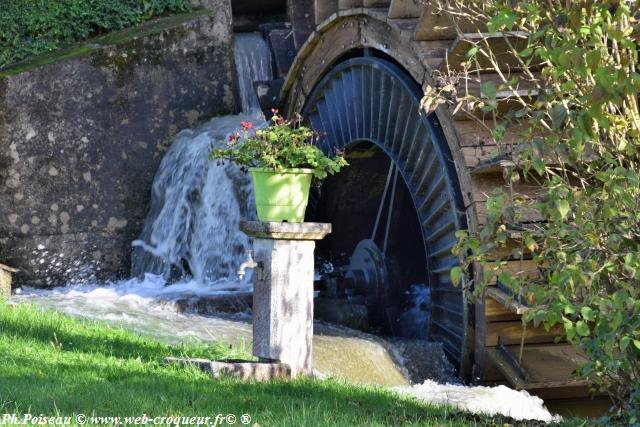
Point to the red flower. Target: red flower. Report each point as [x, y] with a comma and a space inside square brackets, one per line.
[232, 137]
[246, 125]
[274, 111]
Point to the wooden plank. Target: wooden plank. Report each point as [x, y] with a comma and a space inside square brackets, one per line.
[496, 42]
[405, 9]
[549, 369]
[473, 134]
[407, 26]
[484, 185]
[329, 48]
[384, 37]
[526, 268]
[583, 407]
[324, 9]
[496, 312]
[434, 26]
[349, 4]
[431, 53]
[497, 165]
[506, 300]
[510, 333]
[520, 83]
[376, 3]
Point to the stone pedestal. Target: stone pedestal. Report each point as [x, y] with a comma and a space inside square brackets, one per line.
[5, 280]
[283, 291]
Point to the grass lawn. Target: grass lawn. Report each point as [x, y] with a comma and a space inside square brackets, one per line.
[53, 364]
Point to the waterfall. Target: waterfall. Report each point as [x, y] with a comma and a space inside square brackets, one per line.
[196, 204]
[253, 63]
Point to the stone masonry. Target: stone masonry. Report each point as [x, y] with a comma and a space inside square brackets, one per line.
[82, 132]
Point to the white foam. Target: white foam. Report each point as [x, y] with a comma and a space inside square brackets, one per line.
[500, 400]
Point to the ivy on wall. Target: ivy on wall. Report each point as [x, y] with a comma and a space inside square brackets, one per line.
[32, 27]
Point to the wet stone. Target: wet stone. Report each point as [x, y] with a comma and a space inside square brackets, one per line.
[5, 280]
[240, 369]
[342, 312]
[228, 303]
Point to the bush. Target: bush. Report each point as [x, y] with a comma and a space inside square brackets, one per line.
[578, 138]
[32, 27]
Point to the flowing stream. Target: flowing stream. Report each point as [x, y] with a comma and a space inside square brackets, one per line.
[191, 247]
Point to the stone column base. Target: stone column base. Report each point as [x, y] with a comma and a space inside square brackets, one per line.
[283, 291]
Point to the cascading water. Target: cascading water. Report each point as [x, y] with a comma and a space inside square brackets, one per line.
[253, 63]
[196, 204]
[196, 207]
[190, 247]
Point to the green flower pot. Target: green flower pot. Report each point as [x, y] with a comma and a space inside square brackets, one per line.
[281, 195]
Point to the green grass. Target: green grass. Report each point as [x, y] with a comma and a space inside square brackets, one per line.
[53, 364]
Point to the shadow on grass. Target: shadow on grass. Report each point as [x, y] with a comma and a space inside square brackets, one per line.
[67, 386]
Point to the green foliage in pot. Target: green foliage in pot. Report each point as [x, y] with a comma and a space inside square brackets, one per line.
[283, 144]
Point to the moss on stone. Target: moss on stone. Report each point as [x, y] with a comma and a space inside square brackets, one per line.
[113, 39]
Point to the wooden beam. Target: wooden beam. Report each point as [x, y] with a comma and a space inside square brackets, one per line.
[526, 267]
[506, 300]
[434, 26]
[510, 333]
[349, 4]
[400, 9]
[496, 312]
[375, 3]
[324, 9]
[549, 369]
[498, 43]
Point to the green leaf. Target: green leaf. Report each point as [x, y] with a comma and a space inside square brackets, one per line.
[504, 19]
[563, 208]
[569, 329]
[456, 275]
[526, 52]
[489, 90]
[637, 344]
[472, 52]
[582, 328]
[624, 342]
[587, 313]
[558, 115]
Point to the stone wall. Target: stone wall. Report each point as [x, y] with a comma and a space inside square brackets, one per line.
[82, 132]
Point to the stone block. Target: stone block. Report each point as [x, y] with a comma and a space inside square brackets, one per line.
[240, 369]
[283, 303]
[283, 291]
[239, 302]
[342, 312]
[5, 280]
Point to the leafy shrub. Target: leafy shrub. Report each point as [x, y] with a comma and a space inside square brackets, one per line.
[32, 27]
[578, 138]
[281, 145]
